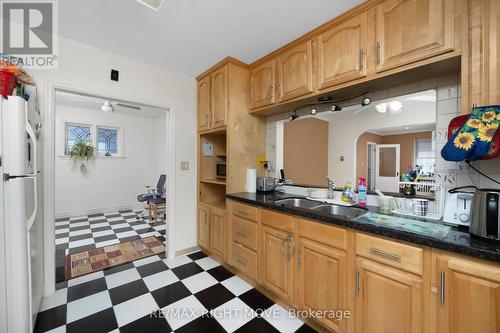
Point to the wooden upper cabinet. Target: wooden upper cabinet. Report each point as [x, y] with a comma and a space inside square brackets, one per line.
[412, 30]
[294, 72]
[388, 300]
[262, 84]
[204, 104]
[342, 52]
[219, 96]
[470, 300]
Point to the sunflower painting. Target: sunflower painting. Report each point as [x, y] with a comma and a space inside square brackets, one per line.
[489, 116]
[487, 132]
[475, 123]
[464, 141]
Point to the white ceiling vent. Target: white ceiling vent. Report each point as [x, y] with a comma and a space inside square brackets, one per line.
[153, 4]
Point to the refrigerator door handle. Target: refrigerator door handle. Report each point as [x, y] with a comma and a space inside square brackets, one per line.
[32, 136]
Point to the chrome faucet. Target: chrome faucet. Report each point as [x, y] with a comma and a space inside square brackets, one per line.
[331, 187]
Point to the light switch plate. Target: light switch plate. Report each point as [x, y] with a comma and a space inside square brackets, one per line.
[184, 165]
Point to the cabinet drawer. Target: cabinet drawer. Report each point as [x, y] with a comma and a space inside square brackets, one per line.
[394, 254]
[277, 220]
[245, 260]
[245, 232]
[248, 212]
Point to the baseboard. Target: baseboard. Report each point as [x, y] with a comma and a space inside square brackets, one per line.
[188, 250]
[103, 210]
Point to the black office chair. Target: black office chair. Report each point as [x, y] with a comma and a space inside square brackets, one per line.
[157, 195]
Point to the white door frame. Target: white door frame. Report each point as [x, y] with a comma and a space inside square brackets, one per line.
[49, 126]
[377, 165]
[371, 165]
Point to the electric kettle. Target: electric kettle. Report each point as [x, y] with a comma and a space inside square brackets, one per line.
[486, 214]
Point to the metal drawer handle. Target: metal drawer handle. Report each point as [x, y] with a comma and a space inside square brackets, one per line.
[442, 286]
[242, 234]
[356, 291]
[383, 253]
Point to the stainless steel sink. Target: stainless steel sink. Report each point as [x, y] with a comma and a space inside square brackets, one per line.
[339, 210]
[298, 202]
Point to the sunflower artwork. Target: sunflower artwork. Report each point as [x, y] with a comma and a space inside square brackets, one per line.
[474, 140]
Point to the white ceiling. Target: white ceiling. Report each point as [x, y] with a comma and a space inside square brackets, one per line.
[94, 103]
[189, 36]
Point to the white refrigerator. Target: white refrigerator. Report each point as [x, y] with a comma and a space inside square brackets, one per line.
[21, 222]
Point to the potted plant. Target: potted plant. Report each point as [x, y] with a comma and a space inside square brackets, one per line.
[80, 155]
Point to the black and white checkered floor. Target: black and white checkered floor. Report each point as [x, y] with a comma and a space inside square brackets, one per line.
[191, 293]
[83, 233]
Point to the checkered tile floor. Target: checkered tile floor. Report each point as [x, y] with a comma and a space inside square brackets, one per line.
[77, 234]
[191, 293]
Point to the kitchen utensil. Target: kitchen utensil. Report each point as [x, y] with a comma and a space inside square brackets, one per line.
[380, 194]
[458, 205]
[486, 214]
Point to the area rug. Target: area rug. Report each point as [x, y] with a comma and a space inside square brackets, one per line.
[94, 260]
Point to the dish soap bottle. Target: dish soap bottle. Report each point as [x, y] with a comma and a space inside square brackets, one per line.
[362, 192]
[347, 192]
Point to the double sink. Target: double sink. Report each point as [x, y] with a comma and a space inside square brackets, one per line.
[330, 209]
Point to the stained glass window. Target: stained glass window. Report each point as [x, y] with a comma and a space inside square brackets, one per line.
[107, 141]
[76, 133]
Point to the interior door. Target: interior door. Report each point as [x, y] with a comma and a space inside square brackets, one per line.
[387, 160]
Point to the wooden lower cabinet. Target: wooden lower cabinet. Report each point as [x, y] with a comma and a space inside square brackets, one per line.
[203, 227]
[388, 300]
[468, 295]
[211, 230]
[321, 280]
[276, 261]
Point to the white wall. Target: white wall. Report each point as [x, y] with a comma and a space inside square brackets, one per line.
[88, 68]
[112, 183]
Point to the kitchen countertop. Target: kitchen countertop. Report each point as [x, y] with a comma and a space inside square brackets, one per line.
[457, 240]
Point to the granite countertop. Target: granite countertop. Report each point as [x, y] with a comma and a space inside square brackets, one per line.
[457, 240]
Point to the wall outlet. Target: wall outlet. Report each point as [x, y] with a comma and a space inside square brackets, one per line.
[184, 165]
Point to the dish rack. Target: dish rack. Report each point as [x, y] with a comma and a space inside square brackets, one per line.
[435, 210]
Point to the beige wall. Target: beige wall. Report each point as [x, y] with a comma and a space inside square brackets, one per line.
[305, 151]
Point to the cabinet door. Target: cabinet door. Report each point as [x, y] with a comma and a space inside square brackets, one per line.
[276, 254]
[321, 280]
[388, 300]
[342, 52]
[204, 227]
[204, 104]
[218, 232]
[295, 72]
[262, 79]
[470, 300]
[219, 97]
[412, 30]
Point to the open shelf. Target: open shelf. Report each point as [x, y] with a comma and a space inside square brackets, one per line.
[216, 181]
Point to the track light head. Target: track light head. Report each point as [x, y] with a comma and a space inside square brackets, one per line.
[313, 111]
[335, 107]
[366, 101]
[292, 117]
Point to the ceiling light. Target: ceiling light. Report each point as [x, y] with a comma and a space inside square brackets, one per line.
[292, 117]
[382, 107]
[395, 107]
[107, 106]
[335, 107]
[153, 4]
[366, 101]
[407, 127]
[313, 111]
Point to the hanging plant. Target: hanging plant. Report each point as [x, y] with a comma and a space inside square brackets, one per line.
[81, 154]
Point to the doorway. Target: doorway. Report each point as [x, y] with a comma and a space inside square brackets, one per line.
[100, 219]
[387, 166]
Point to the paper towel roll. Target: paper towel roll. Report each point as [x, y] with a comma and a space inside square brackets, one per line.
[251, 180]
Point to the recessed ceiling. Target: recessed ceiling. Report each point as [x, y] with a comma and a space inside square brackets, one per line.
[189, 36]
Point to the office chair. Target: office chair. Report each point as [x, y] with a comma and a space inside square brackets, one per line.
[157, 195]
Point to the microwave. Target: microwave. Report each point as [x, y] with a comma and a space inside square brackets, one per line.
[220, 171]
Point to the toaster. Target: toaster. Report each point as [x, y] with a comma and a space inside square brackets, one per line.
[266, 184]
[486, 214]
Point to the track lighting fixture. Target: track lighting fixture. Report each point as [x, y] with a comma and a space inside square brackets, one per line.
[294, 116]
[366, 101]
[313, 111]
